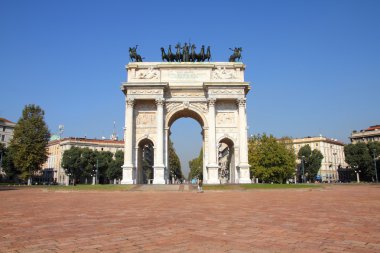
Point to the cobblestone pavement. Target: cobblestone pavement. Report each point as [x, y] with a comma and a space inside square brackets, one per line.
[331, 219]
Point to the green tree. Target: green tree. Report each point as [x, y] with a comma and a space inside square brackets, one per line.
[174, 163]
[360, 156]
[196, 167]
[29, 143]
[7, 164]
[72, 163]
[271, 160]
[114, 170]
[312, 161]
[103, 160]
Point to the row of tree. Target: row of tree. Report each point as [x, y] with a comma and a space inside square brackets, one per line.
[83, 164]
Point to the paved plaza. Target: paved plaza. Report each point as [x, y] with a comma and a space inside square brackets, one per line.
[337, 218]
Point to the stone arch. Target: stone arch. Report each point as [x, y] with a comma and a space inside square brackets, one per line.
[143, 138]
[204, 92]
[186, 111]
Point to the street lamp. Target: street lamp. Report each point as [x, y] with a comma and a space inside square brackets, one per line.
[357, 173]
[303, 169]
[95, 173]
[374, 162]
[334, 167]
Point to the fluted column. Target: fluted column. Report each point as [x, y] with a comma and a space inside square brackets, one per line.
[243, 143]
[212, 166]
[128, 143]
[159, 166]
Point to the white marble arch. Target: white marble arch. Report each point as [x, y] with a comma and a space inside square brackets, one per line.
[212, 93]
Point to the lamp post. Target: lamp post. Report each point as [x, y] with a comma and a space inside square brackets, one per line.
[357, 173]
[303, 169]
[334, 167]
[95, 173]
[30, 177]
[374, 162]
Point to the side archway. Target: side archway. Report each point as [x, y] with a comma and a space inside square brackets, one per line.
[145, 161]
[226, 161]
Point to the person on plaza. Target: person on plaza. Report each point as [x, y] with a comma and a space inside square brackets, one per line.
[200, 184]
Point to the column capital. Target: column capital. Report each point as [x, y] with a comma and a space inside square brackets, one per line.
[160, 101]
[130, 101]
[211, 101]
[241, 101]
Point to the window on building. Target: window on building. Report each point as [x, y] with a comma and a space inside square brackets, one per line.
[2, 137]
[3, 128]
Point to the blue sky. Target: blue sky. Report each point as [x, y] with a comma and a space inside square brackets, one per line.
[314, 66]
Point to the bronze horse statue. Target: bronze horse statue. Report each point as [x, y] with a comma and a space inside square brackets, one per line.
[236, 55]
[133, 54]
[208, 54]
[186, 53]
[164, 56]
[178, 55]
[193, 56]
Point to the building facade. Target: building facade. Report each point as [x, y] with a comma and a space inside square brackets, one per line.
[332, 151]
[6, 131]
[370, 134]
[57, 147]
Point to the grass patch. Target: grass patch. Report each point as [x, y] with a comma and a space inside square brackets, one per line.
[259, 186]
[89, 187]
[81, 187]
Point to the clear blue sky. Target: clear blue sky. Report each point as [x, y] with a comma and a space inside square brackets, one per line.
[314, 66]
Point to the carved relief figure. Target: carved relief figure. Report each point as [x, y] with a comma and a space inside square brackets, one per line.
[150, 73]
[222, 73]
[145, 118]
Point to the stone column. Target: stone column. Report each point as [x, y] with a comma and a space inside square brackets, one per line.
[243, 143]
[212, 166]
[159, 166]
[166, 155]
[128, 143]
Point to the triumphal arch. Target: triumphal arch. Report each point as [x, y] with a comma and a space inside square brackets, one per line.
[212, 93]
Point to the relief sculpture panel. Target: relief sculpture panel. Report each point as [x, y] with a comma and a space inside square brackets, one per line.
[225, 118]
[145, 118]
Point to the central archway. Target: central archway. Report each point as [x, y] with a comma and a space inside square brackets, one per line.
[178, 115]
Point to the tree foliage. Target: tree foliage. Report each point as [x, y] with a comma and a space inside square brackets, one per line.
[7, 164]
[30, 140]
[360, 156]
[174, 162]
[114, 170]
[271, 160]
[196, 167]
[312, 161]
[82, 163]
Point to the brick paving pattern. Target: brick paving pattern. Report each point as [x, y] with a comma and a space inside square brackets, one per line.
[342, 218]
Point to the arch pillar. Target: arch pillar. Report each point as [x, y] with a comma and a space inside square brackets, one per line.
[212, 165]
[243, 164]
[128, 135]
[159, 167]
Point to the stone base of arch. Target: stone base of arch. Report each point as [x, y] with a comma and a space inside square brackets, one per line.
[127, 174]
[159, 175]
[212, 174]
[244, 174]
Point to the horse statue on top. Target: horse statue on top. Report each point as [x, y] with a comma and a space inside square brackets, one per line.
[236, 56]
[133, 54]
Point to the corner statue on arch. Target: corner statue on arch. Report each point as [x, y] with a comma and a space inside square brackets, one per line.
[212, 93]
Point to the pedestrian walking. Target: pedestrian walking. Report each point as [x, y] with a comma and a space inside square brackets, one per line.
[200, 184]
